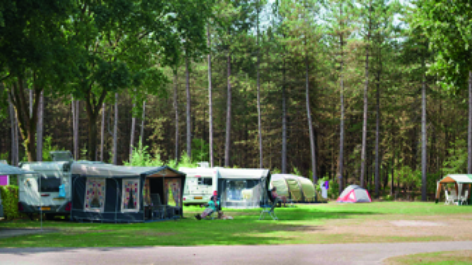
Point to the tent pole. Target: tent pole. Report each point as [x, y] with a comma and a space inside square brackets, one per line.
[40, 205]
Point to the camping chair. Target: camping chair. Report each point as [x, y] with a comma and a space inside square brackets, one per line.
[464, 199]
[449, 199]
[454, 197]
[218, 208]
[157, 208]
[268, 207]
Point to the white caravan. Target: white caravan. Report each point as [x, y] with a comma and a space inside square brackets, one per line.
[53, 191]
[200, 183]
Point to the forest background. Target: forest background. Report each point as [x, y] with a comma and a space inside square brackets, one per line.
[368, 92]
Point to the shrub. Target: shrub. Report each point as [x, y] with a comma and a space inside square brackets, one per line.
[10, 202]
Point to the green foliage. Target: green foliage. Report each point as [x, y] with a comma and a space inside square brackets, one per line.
[4, 156]
[184, 161]
[200, 150]
[10, 198]
[296, 171]
[275, 171]
[452, 43]
[48, 147]
[141, 157]
[456, 162]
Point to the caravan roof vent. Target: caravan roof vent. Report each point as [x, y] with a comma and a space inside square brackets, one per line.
[203, 164]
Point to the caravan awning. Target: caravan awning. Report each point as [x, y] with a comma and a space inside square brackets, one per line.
[11, 170]
[242, 173]
[456, 178]
[112, 171]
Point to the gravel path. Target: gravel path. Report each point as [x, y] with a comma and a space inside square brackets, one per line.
[278, 254]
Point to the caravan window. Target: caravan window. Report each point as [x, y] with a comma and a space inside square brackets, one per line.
[234, 189]
[205, 181]
[49, 184]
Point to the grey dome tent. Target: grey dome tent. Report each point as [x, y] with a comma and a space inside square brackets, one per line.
[109, 193]
[353, 194]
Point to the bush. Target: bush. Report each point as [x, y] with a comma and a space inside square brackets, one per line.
[10, 202]
[388, 198]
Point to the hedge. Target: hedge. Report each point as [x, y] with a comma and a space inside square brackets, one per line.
[10, 202]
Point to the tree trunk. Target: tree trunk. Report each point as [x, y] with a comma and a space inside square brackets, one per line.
[176, 109]
[189, 102]
[310, 123]
[393, 166]
[284, 124]
[424, 140]
[115, 132]
[26, 123]
[341, 127]
[39, 148]
[210, 99]
[377, 139]
[143, 118]
[364, 126]
[30, 102]
[228, 114]
[102, 133]
[259, 122]
[133, 128]
[75, 126]
[14, 133]
[469, 159]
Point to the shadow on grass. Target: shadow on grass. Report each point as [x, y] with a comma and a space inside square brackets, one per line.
[245, 229]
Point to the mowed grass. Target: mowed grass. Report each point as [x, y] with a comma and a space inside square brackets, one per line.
[299, 225]
[435, 258]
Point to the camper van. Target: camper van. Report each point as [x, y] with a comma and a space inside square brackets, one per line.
[51, 192]
[200, 183]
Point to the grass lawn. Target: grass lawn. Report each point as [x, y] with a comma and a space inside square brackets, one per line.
[436, 258]
[303, 224]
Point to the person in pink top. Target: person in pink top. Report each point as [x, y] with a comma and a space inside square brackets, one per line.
[277, 198]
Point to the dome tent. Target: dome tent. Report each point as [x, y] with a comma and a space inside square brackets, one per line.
[298, 189]
[354, 193]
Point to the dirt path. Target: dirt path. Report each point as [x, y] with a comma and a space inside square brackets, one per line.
[282, 254]
[11, 232]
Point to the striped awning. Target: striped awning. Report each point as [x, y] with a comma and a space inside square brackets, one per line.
[457, 178]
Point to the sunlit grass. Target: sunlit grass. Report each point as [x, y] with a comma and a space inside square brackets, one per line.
[298, 225]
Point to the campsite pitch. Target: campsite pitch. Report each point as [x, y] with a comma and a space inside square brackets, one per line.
[304, 224]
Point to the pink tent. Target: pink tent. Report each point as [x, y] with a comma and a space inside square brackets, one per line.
[353, 194]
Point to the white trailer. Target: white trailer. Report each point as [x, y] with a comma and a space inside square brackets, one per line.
[200, 183]
[51, 191]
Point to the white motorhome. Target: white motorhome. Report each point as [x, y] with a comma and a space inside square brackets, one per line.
[52, 190]
[200, 183]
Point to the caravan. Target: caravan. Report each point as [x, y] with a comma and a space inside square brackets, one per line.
[237, 188]
[52, 191]
[200, 183]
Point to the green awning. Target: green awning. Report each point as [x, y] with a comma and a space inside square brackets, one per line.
[457, 178]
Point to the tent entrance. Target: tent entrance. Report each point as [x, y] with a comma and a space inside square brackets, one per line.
[162, 197]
